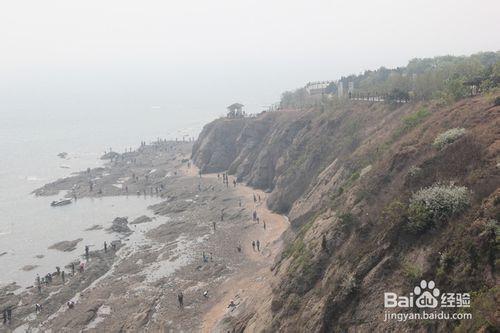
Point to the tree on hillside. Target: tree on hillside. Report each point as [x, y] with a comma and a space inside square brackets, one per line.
[331, 88]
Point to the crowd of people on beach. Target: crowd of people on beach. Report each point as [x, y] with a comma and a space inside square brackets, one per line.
[256, 244]
[48, 279]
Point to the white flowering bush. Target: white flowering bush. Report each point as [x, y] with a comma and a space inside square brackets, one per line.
[448, 137]
[435, 204]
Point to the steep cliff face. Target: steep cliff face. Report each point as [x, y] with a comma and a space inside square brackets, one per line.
[347, 175]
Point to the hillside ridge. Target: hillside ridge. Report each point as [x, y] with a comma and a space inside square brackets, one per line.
[346, 175]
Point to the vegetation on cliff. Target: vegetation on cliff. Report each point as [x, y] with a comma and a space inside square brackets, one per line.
[379, 195]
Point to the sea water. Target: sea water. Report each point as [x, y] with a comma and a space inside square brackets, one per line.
[29, 144]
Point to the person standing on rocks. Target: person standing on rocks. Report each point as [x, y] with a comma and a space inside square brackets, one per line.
[215, 224]
[264, 222]
[258, 245]
[86, 251]
[105, 247]
[253, 245]
[180, 299]
[63, 277]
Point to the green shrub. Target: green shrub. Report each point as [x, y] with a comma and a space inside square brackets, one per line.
[349, 284]
[412, 272]
[436, 204]
[347, 219]
[411, 121]
[414, 171]
[448, 137]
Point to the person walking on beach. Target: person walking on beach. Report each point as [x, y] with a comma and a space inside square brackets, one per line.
[86, 251]
[63, 277]
[222, 214]
[9, 314]
[105, 247]
[180, 299]
[254, 198]
[234, 182]
[4, 313]
[258, 245]
[73, 268]
[240, 203]
[253, 245]
[214, 224]
[264, 222]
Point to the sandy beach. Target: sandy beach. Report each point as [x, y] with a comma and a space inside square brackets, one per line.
[187, 243]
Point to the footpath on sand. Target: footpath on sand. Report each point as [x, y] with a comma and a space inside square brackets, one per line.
[248, 286]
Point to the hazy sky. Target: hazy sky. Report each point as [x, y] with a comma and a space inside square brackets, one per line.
[202, 55]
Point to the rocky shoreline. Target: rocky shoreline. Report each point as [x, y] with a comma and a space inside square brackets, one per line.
[189, 243]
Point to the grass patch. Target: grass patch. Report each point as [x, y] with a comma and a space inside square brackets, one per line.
[411, 121]
[412, 272]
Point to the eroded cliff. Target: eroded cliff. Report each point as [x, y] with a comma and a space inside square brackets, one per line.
[347, 174]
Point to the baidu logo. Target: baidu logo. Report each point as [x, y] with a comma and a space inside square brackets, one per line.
[426, 295]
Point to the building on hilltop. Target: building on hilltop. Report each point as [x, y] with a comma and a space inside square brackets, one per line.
[317, 88]
[235, 110]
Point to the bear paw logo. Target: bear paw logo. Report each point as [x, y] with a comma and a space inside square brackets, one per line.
[427, 294]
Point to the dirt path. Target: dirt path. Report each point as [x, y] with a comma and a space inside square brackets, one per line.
[248, 286]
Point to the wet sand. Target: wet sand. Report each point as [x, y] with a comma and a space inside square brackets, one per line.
[135, 286]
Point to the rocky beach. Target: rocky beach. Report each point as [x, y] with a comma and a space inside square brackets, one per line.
[197, 240]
